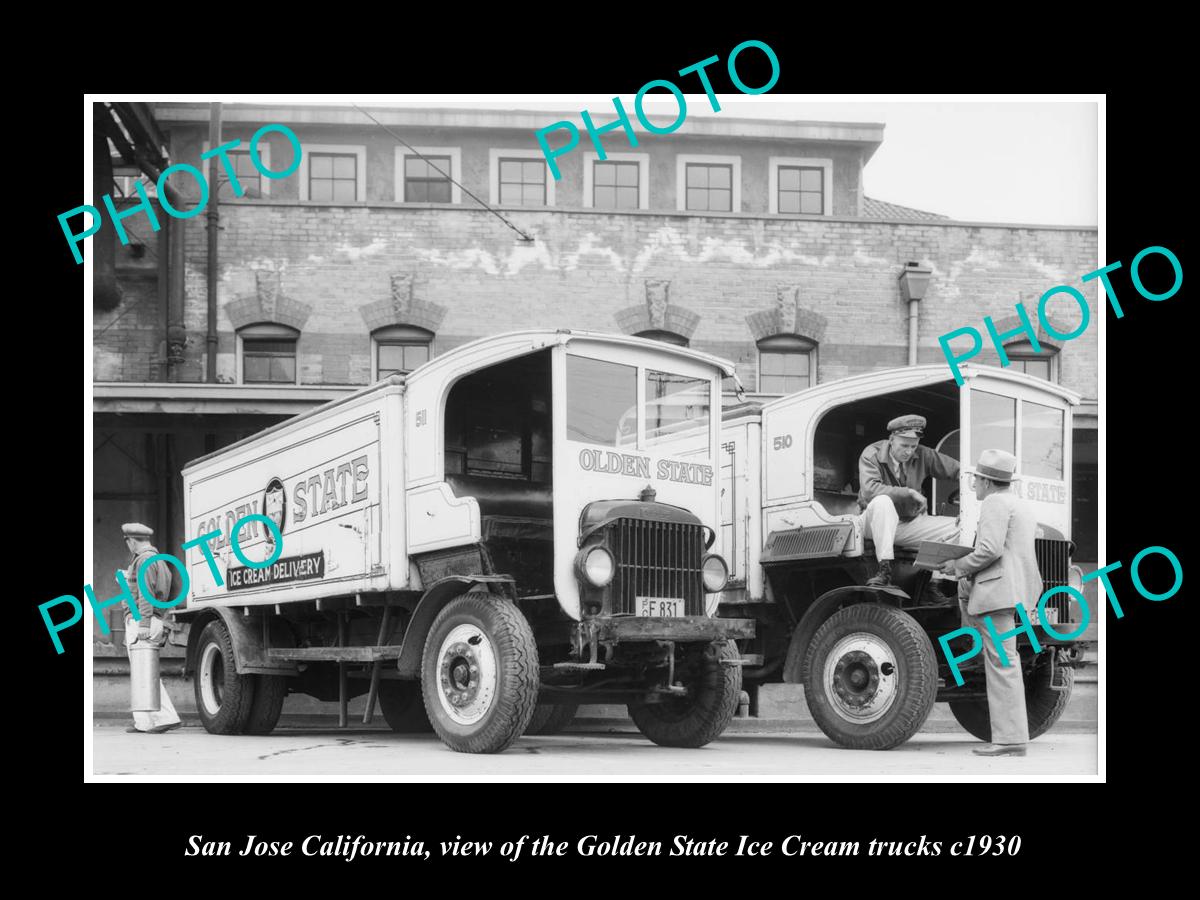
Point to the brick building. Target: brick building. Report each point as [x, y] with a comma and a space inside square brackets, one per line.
[744, 238]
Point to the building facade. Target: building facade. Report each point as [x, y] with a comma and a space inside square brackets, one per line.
[748, 239]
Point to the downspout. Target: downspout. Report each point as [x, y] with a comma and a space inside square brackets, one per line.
[913, 306]
[214, 218]
[914, 280]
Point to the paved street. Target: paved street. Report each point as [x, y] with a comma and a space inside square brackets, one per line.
[370, 754]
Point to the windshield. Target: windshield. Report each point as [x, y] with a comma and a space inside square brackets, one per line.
[677, 408]
[599, 394]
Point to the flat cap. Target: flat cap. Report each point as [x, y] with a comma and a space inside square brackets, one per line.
[137, 530]
[907, 426]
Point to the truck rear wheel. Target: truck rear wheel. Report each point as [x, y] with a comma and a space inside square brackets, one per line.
[871, 677]
[700, 717]
[403, 708]
[1044, 703]
[223, 697]
[269, 693]
[479, 673]
[551, 718]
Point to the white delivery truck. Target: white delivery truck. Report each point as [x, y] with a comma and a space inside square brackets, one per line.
[527, 518]
[800, 562]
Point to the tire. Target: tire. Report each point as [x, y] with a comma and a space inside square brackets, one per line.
[871, 677]
[551, 718]
[223, 697]
[699, 718]
[1043, 705]
[269, 693]
[402, 707]
[479, 673]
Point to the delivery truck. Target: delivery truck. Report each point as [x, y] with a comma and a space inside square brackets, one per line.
[792, 532]
[525, 519]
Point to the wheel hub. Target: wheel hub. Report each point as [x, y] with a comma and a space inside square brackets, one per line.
[860, 678]
[212, 678]
[466, 674]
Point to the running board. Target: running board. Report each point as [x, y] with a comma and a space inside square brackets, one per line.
[335, 654]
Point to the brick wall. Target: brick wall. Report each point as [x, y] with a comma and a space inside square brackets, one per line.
[586, 267]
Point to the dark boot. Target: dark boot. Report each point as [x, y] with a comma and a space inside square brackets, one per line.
[883, 576]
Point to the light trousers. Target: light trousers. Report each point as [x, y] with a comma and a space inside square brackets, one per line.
[166, 715]
[1005, 685]
[881, 523]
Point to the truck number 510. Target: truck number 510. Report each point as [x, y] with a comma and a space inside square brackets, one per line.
[783, 442]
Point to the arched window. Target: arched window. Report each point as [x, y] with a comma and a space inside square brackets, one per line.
[786, 363]
[398, 349]
[1039, 363]
[267, 354]
[667, 337]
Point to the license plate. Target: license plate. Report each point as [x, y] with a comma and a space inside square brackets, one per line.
[660, 607]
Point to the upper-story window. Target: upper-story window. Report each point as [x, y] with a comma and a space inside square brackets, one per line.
[253, 184]
[800, 186]
[331, 173]
[621, 181]
[519, 178]
[667, 337]
[708, 183]
[267, 354]
[428, 175]
[786, 364]
[398, 349]
[1039, 363]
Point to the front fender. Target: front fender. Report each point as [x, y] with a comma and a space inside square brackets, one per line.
[431, 603]
[824, 607]
[249, 653]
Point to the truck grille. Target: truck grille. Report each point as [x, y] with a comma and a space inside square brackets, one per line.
[1054, 562]
[656, 559]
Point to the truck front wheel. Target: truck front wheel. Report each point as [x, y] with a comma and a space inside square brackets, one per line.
[224, 698]
[1044, 702]
[707, 710]
[871, 677]
[479, 673]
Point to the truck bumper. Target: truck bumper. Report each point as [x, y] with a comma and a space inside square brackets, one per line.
[684, 629]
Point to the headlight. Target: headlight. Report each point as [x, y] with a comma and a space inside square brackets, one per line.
[1075, 578]
[596, 565]
[715, 573]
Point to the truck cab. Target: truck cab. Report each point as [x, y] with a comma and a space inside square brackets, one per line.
[537, 525]
[792, 528]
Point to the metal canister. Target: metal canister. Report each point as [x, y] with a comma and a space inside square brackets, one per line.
[144, 677]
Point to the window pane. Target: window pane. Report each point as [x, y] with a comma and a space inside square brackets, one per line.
[320, 166]
[1039, 368]
[344, 166]
[796, 363]
[697, 198]
[697, 176]
[601, 396]
[771, 363]
[811, 179]
[720, 201]
[344, 191]
[391, 356]
[438, 191]
[605, 173]
[771, 384]
[510, 170]
[320, 189]
[795, 383]
[1041, 441]
[415, 355]
[416, 191]
[718, 177]
[789, 179]
[510, 194]
[811, 203]
[606, 197]
[243, 165]
[627, 174]
[993, 423]
[532, 195]
[283, 369]
[255, 368]
[789, 202]
[627, 198]
[535, 173]
[676, 407]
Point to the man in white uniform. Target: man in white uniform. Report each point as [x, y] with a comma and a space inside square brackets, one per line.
[157, 579]
[891, 473]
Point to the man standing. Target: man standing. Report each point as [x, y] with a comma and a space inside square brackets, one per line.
[1002, 572]
[157, 579]
[890, 474]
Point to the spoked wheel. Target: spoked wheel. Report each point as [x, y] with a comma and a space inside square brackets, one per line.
[871, 677]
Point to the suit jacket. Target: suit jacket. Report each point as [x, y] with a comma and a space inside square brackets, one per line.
[877, 475]
[1003, 563]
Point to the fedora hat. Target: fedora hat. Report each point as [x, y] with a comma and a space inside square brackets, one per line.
[998, 465]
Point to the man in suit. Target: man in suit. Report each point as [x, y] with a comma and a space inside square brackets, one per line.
[999, 573]
[151, 629]
[890, 475]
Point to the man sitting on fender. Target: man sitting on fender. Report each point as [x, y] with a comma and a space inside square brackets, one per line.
[890, 474]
